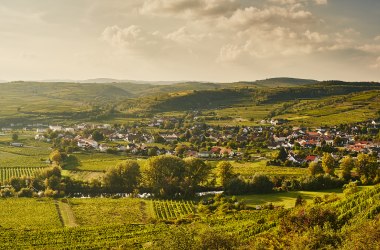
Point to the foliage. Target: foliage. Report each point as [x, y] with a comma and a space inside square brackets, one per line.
[165, 174]
[315, 168]
[56, 157]
[346, 165]
[350, 188]
[225, 172]
[196, 172]
[328, 163]
[172, 210]
[123, 178]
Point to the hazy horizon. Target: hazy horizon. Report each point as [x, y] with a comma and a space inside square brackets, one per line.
[181, 40]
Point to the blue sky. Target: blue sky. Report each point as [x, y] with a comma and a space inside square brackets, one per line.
[206, 40]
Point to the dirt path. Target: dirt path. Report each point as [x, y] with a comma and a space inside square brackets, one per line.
[66, 214]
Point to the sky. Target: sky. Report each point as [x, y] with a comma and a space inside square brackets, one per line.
[201, 40]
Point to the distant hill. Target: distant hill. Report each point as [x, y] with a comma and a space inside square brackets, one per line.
[278, 82]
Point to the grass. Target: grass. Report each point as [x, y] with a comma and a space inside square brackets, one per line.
[28, 213]
[104, 211]
[286, 199]
[357, 107]
[67, 214]
[96, 162]
[259, 167]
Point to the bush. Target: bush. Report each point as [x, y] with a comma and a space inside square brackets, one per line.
[25, 192]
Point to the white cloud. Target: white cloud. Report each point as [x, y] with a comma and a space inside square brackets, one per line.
[132, 37]
[316, 37]
[270, 16]
[321, 2]
[376, 65]
[184, 36]
[292, 2]
[185, 8]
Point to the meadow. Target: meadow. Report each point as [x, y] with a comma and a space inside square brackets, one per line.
[104, 211]
[28, 213]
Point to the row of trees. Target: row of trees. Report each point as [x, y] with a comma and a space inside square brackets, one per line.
[367, 167]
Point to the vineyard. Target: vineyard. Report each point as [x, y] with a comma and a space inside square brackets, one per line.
[25, 213]
[44, 229]
[168, 209]
[359, 206]
[7, 173]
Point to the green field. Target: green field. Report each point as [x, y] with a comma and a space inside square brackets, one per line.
[286, 199]
[27, 213]
[165, 209]
[103, 211]
[249, 169]
[95, 161]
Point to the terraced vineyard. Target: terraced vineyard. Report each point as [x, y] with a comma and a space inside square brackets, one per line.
[168, 209]
[359, 206]
[7, 173]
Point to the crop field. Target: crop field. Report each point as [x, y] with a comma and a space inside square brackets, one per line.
[7, 173]
[33, 154]
[286, 199]
[26, 213]
[327, 111]
[169, 210]
[105, 211]
[96, 161]
[249, 169]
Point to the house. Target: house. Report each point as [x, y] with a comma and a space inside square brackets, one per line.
[204, 154]
[103, 148]
[41, 130]
[70, 130]
[86, 143]
[191, 153]
[55, 128]
[39, 137]
[311, 158]
[170, 138]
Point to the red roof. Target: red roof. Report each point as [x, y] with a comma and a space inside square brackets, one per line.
[311, 158]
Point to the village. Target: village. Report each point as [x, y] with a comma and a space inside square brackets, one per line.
[174, 136]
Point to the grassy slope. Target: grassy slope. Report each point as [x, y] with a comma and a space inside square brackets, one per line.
[101, 211]
[18, 213]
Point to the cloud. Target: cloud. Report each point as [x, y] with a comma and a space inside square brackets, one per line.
[184, 36]
[132, 37]
[321, 2]
[270, 16]
[376, 65]
[293, 2]
[185, 8]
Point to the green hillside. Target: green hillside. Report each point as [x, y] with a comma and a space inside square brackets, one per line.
[300, 101]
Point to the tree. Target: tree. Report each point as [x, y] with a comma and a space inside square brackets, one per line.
[328, 163]
[196, 172]
[97, 135]
[225, 172]
[152, 152]
[315, 168]
[300, 201]
[123, 178]
[350, 188]
[56, 157]
[346, 165]
[165, 174]
[14, 137]
[262, 184]
[367, 166]
[282, 154]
